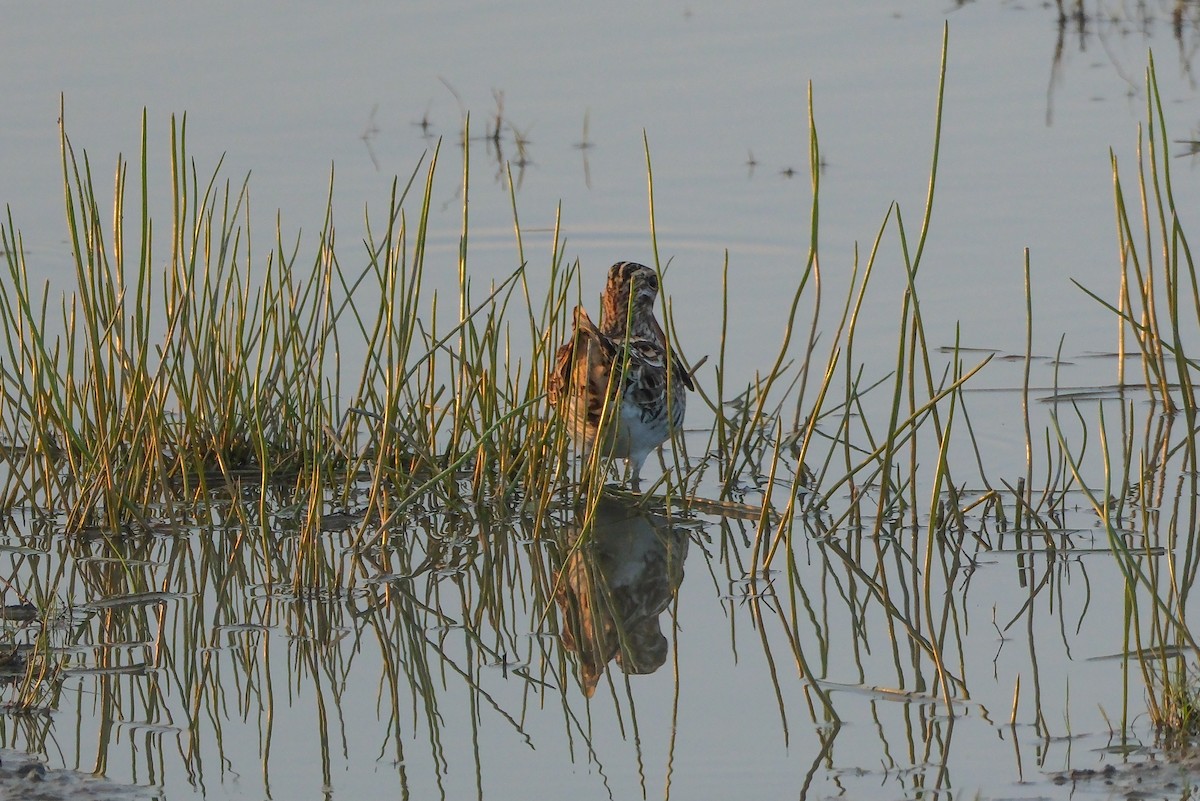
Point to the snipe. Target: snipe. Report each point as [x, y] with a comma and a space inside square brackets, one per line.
[617, 385]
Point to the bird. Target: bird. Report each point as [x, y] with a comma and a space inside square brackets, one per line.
[617, 385]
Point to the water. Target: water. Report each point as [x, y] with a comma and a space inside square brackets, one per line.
[264, 694]
[707, 84]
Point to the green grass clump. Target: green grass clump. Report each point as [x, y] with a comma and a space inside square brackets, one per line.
[152, 382]
[149, 385]
[1175, 707]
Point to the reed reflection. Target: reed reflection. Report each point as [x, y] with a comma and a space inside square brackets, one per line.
[623, 570]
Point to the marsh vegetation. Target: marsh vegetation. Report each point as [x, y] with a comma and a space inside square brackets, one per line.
[301, 492]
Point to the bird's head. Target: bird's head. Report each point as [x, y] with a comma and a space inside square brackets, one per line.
[631, 289]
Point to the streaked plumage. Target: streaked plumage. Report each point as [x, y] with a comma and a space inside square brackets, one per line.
[617, 385]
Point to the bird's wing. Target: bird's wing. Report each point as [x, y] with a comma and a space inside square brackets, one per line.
[586, 342]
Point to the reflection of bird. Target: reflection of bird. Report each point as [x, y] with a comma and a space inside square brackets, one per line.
[617, 384]
[614, 586]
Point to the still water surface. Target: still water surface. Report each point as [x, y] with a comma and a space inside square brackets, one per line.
[293, 698]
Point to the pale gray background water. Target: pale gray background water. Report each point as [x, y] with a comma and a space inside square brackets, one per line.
[287, 90]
